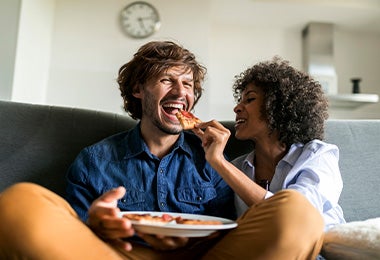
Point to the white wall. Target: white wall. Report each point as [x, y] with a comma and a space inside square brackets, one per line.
[87, 48]
[9, 20]
[357, 55]
[229, 56]
[30, 81]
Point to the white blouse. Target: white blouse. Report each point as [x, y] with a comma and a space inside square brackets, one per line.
[312, 169]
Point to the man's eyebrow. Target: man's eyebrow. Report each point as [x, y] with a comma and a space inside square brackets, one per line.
[188, 78]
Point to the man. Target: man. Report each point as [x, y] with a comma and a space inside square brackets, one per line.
[153, 167]
[160, 167]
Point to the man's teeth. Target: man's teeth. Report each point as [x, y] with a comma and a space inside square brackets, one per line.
[240, 121]
[178, 106]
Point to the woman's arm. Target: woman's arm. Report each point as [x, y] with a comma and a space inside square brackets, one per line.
[214, 139]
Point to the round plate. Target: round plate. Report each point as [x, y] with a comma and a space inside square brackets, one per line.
[179, 230]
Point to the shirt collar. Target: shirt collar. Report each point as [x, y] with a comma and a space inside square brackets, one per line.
[248, 161]
[134, 144]
[290, 158]
[293, 154]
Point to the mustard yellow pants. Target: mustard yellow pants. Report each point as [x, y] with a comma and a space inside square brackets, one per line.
[35, 223]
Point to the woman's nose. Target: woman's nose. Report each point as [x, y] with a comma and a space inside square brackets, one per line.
[237, 108]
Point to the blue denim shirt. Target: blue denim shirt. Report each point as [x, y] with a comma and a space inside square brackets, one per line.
[182, 181]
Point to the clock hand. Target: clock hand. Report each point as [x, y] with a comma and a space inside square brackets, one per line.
[147, 18]
[140, 19]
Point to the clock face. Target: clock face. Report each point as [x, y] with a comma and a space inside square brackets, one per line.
[140, 19]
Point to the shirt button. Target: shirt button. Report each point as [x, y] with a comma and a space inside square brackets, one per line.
[123, 200]
[162, 204]
[199, 198]
[161, 170]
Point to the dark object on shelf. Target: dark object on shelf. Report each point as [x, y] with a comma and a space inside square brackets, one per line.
[356, 87]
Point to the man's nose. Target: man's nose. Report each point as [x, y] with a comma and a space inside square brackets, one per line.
[179, 88]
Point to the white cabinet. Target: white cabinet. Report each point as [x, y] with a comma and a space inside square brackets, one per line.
[351, 101]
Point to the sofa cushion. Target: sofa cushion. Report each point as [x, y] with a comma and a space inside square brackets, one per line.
[359, 145]
[353, 240]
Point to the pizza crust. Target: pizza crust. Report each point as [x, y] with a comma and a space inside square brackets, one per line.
[187, 119]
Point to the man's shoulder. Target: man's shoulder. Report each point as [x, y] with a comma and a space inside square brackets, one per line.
[111, 140]
[109, 147]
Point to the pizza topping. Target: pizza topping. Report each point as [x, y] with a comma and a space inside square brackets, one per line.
[149, 219]
[186, 221]
[187, 119]
[167, 218]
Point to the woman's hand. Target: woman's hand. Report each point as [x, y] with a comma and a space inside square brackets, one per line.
[214, 139]
[105, 221]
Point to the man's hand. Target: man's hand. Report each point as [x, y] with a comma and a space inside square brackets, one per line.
[106, 223]
[164, 243]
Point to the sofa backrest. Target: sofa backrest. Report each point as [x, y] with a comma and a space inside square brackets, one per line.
[39, 142]
[359, 146]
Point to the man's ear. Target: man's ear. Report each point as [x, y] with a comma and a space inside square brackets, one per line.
[137, 91]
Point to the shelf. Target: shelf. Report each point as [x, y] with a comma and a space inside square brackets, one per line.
[352, 101]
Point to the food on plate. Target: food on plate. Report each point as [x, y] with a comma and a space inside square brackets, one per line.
[149, 219]
[186, 221]
[146, 218]
[187, 119]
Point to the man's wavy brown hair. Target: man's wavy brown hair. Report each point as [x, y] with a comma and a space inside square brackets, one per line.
[294, 106]
[151, 60]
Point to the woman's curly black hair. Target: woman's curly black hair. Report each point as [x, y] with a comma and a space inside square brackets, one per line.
[150, 60]
[294, 106]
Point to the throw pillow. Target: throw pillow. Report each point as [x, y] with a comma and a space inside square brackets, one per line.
[353, 240]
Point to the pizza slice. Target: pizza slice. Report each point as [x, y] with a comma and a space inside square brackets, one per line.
[180, 220]
[187, 119]
[148, 218]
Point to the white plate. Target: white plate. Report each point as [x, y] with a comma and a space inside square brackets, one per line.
[180, 230]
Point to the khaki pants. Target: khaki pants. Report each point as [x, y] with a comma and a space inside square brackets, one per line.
[38, 224]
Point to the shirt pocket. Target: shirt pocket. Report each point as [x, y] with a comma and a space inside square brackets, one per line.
[133, 200]
[196, 196]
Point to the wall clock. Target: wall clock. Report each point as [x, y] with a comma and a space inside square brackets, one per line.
[140, 19]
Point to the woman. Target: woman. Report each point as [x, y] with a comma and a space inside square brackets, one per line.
[282, 110]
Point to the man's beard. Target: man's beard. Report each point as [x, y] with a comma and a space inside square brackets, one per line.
[151, 112]
[166, 129]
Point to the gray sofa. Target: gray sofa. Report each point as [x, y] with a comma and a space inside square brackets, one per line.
[38, 142]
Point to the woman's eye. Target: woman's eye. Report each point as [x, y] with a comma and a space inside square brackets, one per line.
[249, 100]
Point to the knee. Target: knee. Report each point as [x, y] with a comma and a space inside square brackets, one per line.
[15, 190]
[290, 196]
[295, 210]
[12, 203]
[16, 198]
[295, 203]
